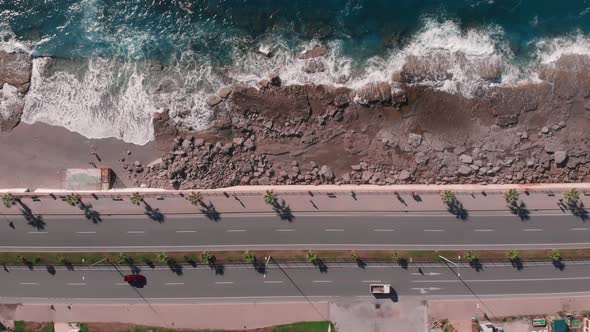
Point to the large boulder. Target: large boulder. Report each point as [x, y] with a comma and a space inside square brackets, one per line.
[15, 69]
[11, 107]
[326, 173]
[560, 158]
[315, 52]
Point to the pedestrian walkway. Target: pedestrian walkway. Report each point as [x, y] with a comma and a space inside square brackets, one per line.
[296, 199]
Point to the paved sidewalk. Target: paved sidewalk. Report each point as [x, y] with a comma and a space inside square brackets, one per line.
[305, 199]
[182, 316]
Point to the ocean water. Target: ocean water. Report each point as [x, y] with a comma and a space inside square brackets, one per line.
[116, 62]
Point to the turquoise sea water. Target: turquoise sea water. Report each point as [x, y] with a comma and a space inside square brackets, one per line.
[207, 43]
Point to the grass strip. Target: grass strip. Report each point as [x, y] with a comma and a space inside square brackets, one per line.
[150, 258]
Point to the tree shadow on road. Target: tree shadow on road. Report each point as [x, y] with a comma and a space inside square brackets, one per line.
[456, 208]
[321, 265]
[517, 264]
[174, 266]
[90, 213]
[34, 220]
[209, 211]
[520, 210]
[153, 214]
[577, 209]
[559, 264]
[476, 265]
[283, 210]
[361, 263]
[51, 269]
[217, 267]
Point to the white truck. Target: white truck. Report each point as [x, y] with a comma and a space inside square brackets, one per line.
[378, 289]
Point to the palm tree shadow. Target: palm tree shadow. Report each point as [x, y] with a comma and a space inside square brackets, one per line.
[174, 266]
[517, 264]
[476, 265]
[321, 265]
[283, 210]
[90, 214]
[577, 209]
[153, 214]
[559, 264]
[32, 219]
[218, 268]
[209, 211]
[520, 210]
[456, 208]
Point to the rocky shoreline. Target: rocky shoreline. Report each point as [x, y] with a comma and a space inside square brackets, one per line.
[383, 133]
[386, 134]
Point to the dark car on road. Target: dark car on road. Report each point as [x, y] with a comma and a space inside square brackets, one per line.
[135, 280]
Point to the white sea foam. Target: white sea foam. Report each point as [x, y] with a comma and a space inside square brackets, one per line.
[550, 50]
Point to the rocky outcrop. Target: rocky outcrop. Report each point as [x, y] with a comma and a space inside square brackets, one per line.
[15, 79]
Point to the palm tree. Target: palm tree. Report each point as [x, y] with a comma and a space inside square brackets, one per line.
[73, 199]
[249, 257]
[136, 198]
[61, 260]
[511, 196]
[270, 197]
[554, 255]
[123, 258]
[571, 196]
[189, 259]
[195, 198]
[448, 197]
[163, 258]
[513, 255]
[355, 256]
[207, 258]
[471, 257]
[21, 259]
[8, 200]
[312, 257]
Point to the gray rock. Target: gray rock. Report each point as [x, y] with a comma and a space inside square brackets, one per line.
[187, 145]
[11, 106]
[367, 175]
[15, 70]
[213, 100]
[404, 175]
[264, 83]
[465, 159]
[356, 168]
[560, 158]
[464, 170]
[561, 124]
[314, 66]
[224, 92]
[316, 51]
[341, 100]
[326, 173]
[249, 144]
[247, 168]
[199, 142]
[421, 157]
[507, 120]
[239, 141]
[414, 140]
[137, 163]
[544, 130]
[155, 163]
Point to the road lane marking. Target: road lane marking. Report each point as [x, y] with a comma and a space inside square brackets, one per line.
[372, 281]
[76, 284]
[37, 232]
[285, 230]
[434, 230]
[425, 274]
[186, 231]
[89, 232]
[334, 230]
[579, 229]
[122, 284]
[135, 232]
[426, 290]
[504, 280]
[483, 230]
[224, 282]
[29, 283]
[273, 282]
[235, 230]
[174, 283]
[322, 281]
[532, 229]
[383, 230]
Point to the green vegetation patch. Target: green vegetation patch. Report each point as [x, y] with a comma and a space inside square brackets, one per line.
[321, 326]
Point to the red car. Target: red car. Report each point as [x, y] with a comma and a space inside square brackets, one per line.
[136, 280]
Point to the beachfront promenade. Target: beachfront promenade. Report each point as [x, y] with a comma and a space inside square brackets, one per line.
[309, 218]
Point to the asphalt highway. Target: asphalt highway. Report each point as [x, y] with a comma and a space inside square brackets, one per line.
[311, 230]
[243, 282]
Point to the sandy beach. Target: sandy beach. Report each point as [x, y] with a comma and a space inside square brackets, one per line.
[34, 155]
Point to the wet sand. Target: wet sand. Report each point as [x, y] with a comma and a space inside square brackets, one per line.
[33, 156]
